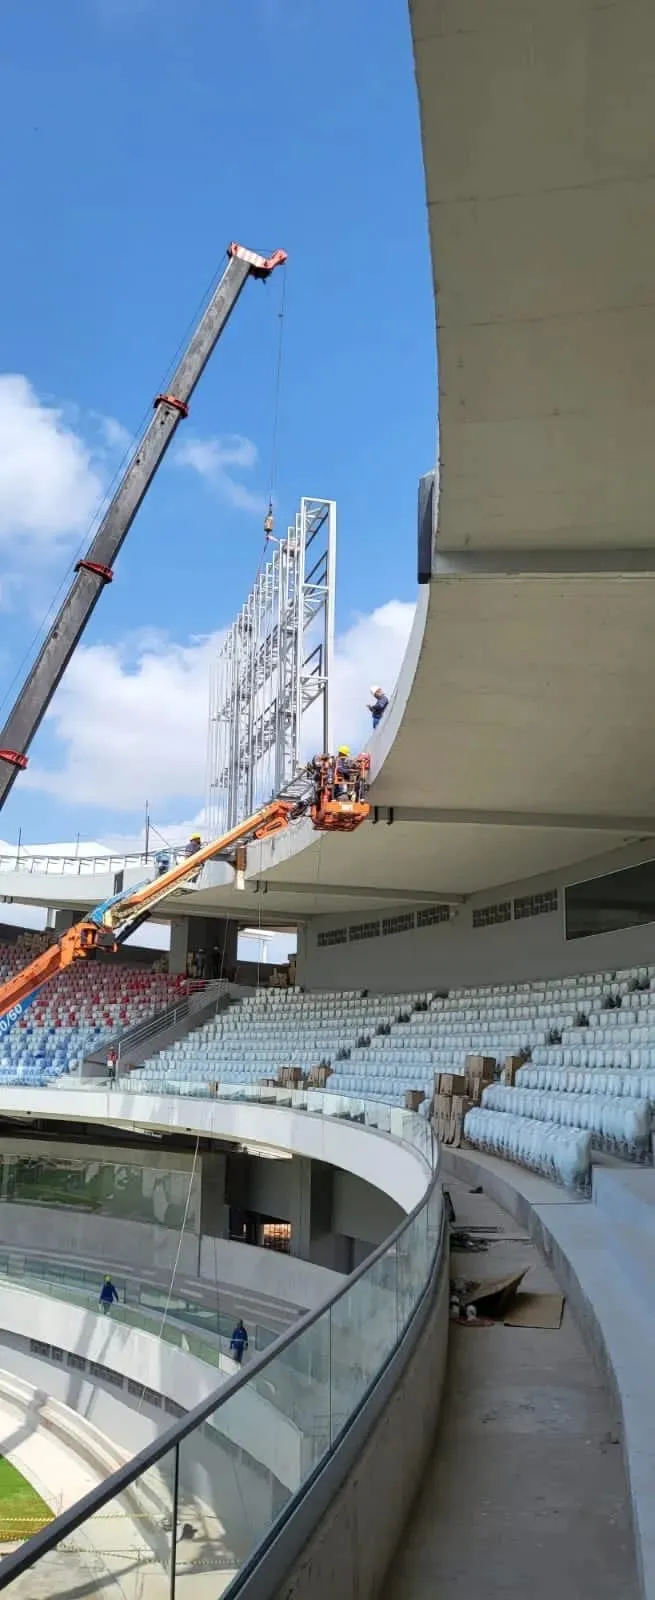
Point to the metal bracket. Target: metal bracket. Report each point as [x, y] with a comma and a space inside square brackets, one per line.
[14, 758]
[96, 567]
[171, 400]
[260, 266]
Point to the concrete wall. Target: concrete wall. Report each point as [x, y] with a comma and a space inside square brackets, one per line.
[453, 954]
[383, 1160]
[136, 1244]
[71, 1234]
[361, 1212]
[266, 1272]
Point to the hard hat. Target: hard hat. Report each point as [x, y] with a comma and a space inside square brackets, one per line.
[195, 836]
[344, 750]
[375, 689]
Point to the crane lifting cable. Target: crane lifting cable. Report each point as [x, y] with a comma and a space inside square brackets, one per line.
[95, 570]
[269, 520]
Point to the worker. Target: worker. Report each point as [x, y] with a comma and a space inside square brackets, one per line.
[193, 846]
[108, 1294]
[239, 1342]
[342, 773]
[162, 862]
[379, 706]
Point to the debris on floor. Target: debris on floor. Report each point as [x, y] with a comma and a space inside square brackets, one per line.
[484, 1302]
[535, 1311]
[463, 1239]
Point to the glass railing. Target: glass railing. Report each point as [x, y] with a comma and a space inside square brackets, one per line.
[202, 1503]
[138, 1304]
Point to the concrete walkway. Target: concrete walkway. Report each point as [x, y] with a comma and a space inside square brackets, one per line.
[526, 1493]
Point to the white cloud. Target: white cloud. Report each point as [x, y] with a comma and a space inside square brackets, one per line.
[112, 432]
[131, 720]
[132, 724]
[215, 461]
[49, 483]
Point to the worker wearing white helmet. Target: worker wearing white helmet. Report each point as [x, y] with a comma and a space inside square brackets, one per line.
[379, 706]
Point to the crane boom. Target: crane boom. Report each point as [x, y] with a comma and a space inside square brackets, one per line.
[95, 570]
[332, 805]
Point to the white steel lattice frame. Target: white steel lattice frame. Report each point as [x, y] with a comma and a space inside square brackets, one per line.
[274, 665]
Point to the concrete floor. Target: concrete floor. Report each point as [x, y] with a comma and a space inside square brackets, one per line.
[525, 1494]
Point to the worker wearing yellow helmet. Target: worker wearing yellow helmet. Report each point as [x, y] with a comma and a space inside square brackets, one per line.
[193, 845]
[342, 772]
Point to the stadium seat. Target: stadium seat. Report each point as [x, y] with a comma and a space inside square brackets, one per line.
[77, 1013]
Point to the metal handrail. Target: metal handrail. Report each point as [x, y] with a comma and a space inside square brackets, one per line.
[164, 1020]
[49, 1537]
[33, 861]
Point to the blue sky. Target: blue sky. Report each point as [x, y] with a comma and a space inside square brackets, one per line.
[143, 135]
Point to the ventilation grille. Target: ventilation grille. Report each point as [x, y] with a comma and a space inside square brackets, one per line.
[364, 930]
[489, 916]
[536, 905]
[431, 915]
[400, 923]
[332, 936]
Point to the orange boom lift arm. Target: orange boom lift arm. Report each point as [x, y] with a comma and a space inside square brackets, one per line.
[331, 806]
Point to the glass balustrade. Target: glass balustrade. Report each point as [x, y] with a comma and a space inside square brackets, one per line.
[204, 1498]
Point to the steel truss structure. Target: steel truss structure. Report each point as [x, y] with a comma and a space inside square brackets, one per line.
[270, 689]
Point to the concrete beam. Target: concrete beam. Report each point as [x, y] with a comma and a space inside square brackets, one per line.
[547, 563]
[356, 891]
[591, 823]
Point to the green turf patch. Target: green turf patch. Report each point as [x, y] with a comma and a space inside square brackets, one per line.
[22, 1511]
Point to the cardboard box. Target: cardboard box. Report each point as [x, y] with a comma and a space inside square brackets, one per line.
[479, 1070]
[443, 1113]
[452, 1083]
[290, 1077]
[511, 1068]
[461, 1104]
[413, 1099]
[317, 1077]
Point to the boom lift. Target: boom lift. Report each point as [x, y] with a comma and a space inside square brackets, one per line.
[334, 806]
[95, 570]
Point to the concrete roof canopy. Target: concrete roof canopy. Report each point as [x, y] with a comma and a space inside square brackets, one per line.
[515, 740]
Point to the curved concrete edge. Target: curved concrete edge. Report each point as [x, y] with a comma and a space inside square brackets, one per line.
[268, 853]
[82, 1437]
[378, 1158]
[572, 1235]
[381, 742]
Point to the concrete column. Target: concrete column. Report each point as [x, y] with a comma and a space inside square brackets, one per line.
[214, 1212]
[301, 1206]
[208, 934]
[61, 920]
[179, 945]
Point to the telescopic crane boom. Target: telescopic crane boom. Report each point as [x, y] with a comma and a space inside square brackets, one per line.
[95, 570]
[333, 804]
